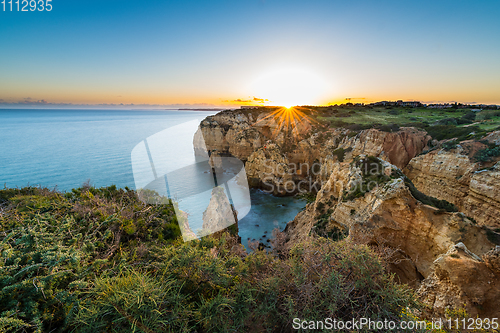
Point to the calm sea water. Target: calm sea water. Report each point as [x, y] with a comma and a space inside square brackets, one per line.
[65, 148]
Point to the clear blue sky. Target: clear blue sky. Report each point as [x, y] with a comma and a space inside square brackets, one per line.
[216, 52]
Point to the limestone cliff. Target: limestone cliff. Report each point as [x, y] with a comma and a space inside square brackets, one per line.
[267, 168]
[397, 148]
[362, 192]
[230, 133]
[304, 147]
[453, 176]
[219, 214]
[388, 215]
[461, 279]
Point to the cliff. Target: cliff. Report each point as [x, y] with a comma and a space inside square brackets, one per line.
[461, 279]
[413, 236]
[268, 168]
[428, 207]
[219, 215]
[305, 149]
[454, 176]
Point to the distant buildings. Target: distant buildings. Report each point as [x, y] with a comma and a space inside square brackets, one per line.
[398, 103]
[413, 104]
[253, 107]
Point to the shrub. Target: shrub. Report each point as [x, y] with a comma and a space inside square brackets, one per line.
[133, 301]
[428, 200]
[372, 173]
[340, 153]
[68, 266]
[388, 128]
[416, 124]
[54, 244]
[493, 236]
[488, 114]
[488, 154]
[469, 116]
[449, 145]
[307, 196]
[443, 132]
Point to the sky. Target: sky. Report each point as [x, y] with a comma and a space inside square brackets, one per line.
[241, 52]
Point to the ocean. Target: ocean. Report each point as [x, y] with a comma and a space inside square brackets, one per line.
[66, 148]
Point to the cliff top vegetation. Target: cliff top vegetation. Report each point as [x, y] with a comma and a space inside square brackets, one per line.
[95, 260]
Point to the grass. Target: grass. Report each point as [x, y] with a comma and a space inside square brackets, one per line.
[373, 176]
[399, 116]
[101, 260]
[359, 118]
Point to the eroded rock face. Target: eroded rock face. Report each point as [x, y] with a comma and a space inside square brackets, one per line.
[397, 148]
[219, 214]
[493, 137]
[460, 279]
[305, 147]
[419, 236]
[230, 133]
[268, 168]
[452, 176]
[391, 217]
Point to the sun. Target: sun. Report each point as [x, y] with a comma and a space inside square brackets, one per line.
[290, 87]
[294, 122]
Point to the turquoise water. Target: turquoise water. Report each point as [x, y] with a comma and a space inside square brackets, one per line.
[65, 148]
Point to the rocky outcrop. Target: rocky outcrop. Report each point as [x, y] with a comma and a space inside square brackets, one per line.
[397, 148]
[268, 168]
[388, 216]
[187, 233]
[230, 133]
[305, 145]
[362, 192]
[462, 280]
[493, 138]
[219, 214]
[452, 176]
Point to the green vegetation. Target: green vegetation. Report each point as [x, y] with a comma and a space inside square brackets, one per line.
[373, 176]
[100, 260]
[440, 123]
[372, 172]
[488, 154]
[335, 233]
[493, 236]
[340, 153]
[321, 227]
[307, 196]
[445, 132]
[428, 200]
[449, 145]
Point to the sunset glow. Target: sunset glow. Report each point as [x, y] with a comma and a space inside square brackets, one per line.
[229, 54]
[291, 87]
[292, 121]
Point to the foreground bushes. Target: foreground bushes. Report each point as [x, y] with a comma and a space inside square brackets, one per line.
[99, 260]
[206, 286]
